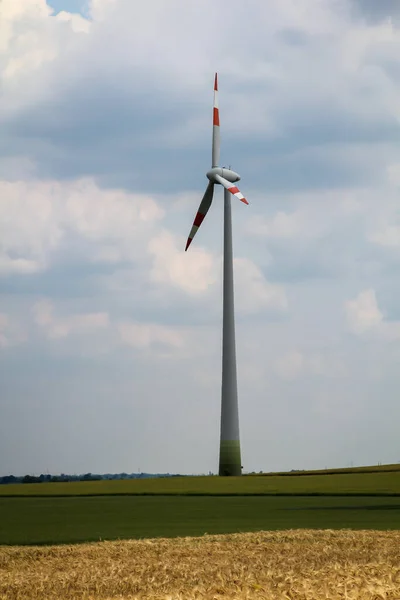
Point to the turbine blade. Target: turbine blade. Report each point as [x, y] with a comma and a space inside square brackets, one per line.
[231, 187]
[201, 213]
[215, 137]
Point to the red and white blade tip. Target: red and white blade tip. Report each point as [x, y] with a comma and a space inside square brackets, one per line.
[216, 122]
[236, 192]
[199, 218]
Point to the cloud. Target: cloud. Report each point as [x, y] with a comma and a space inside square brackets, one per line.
[28, 230]
[61, 327]
[310, 235]
[296, 364]
[290, 365]
[48, 225]
[194, 273]
[365, 317]
[281, 225]
[198, 271]
[27, 53]
[145, 335]
[114, 332]
[375, 12]
[385, 229]
[253, 292]
[11, 332]
[308, 216]
[287, 124]
[388, 236]
[38, 219]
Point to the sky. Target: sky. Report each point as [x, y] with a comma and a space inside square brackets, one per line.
[110, 334]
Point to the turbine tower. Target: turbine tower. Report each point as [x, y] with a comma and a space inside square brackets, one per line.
[229, 454]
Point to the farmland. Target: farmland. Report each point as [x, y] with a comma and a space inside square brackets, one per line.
[72, 512]
[305, 535]
[291, 564]
[381, 482]
[77, 519]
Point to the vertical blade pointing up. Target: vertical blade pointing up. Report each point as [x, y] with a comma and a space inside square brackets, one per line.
[215, 138]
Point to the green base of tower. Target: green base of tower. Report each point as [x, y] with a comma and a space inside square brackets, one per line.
[230, 462]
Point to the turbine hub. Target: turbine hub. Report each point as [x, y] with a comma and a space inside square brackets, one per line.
[226, 173]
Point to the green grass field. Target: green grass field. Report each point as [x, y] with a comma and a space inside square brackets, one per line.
[68, 520]
[380, 483]
[185, 506]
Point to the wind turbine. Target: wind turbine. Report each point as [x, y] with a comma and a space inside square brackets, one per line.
[230, 462]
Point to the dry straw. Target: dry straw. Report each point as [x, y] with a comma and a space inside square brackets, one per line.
[295, 564]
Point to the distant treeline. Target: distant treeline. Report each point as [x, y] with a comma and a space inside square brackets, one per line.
[86, 477]
[394, 468]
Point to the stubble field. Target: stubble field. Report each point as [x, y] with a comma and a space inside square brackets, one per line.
[301, 564]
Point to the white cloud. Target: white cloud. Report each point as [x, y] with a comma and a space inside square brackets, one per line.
[365, 317]
[363, 312]
[145, 335]
[296, 363]
[314, 214]
[384, 228]
[45, 223]
[393, 174]
[253, 293]
[193, 272]
[290, 365]
[61, 327]
[11, 332]
[38, 217]
[100, 9]
[116, 332]
[281, 225]
[30, 41]
[18, 265]
[110, 215]
[29, 229]
[3, 325]
[353, 57]
[388, 235]
[78, 23]
[197, 272]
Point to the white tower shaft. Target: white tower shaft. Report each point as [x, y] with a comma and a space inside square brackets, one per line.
[229, 457]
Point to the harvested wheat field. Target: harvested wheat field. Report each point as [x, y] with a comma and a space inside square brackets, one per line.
[301, 564]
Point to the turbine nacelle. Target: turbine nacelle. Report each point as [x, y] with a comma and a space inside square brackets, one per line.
[231, 176]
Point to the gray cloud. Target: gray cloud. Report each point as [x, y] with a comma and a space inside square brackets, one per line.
[375, 12]
[126, 125]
